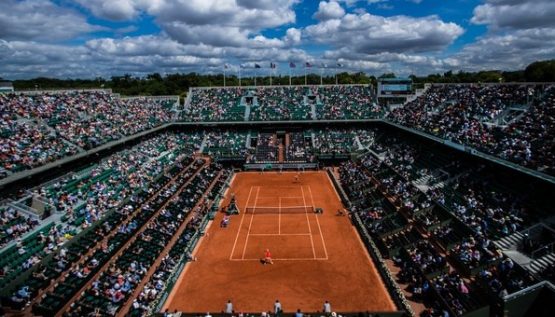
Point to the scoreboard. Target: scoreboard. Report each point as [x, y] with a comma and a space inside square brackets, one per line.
[394, 87]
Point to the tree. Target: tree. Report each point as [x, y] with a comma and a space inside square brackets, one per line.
[540, 71]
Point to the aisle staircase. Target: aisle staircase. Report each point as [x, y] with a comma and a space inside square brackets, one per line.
[535, 261]
[313, 111]
[247, 112]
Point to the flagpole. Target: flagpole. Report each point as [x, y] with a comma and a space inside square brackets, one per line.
[224, 75]
[239, 75]
[305, 74]
[321, 72]
[255, 76]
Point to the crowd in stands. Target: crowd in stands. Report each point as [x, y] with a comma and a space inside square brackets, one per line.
[334, 141]
[147, 205]
[89, 195]
[461, 216]
[477, 252]
[297, 150]
[114, 287]
[38, 129]
[505, 278]
[347, 102]
[266, 148]
[26, 144]
[480, 116]
[165, 211]
[84, 197]
[281, 103]
[181, 250]
[226, 144]
[218, 104]
[435, 215]
[13, 224]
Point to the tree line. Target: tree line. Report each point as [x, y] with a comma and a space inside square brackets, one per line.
[178, 84]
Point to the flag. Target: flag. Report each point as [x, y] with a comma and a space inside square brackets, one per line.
[324, 65]
[226, 66]
[339, 65]
[272, 65]
[256, 66]
[307, 64]
[292, 65]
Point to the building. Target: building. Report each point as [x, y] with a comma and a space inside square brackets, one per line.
[6, 86]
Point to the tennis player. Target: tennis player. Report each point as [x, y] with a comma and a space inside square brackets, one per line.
[267, 257]
[297, 178]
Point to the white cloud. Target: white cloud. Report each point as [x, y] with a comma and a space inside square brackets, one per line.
[135, 55]
[224, 22]
[517, 14]
[41, 20]
[329, 10]
[213, 22]
[292, 37]
[509, 51]
[119, 10]
[367, 33]
[225, 13]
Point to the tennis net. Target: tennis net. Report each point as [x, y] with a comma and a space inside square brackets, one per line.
[277, 210]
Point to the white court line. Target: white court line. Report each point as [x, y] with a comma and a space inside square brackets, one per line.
[240, 224]
[279, 217]
[277, 207]
[318, 222]
[284, 197]
[285, 259]
[250, 224]
[308, 222]
[279, 234]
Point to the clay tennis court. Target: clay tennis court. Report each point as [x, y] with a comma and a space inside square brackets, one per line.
[317, 257]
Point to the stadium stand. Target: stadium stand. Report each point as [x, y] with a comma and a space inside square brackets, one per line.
[279, 103]
[227, 145]
[347, 102]
[43, 127]
[503, 120]
[219, 104]
[461, 216]
[283, 103]
[13, 224]
[457, 234]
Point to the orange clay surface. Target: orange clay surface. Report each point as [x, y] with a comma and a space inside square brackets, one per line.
[317, 257]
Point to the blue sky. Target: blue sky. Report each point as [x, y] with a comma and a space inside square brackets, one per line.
[89, 38]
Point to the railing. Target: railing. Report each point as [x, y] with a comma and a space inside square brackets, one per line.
[169, 97]
[543, 249]
[279, 166]
[59, 91]
[474, 152]
[158, 303]
[396, 293]
[529, 289]
[280, 86]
